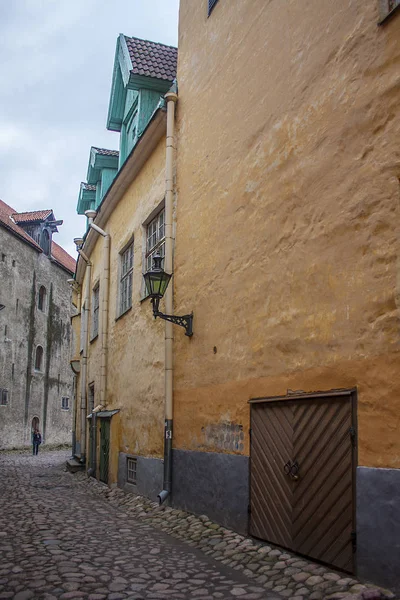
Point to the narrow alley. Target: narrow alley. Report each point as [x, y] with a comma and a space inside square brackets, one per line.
[59, 540]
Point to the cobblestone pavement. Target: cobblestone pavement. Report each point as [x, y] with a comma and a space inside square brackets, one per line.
[67, 536]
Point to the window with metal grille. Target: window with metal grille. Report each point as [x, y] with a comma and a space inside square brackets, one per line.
[211, 4]
[95, 311]
[65, 403]
[155, 238]
[39, 358]
[386, 8]
[131, 467]
[126, 279]
[3, 397]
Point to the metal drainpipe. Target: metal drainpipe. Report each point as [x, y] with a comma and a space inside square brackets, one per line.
[104, 305]
[77, 289]
[171, 99]
[86, 312]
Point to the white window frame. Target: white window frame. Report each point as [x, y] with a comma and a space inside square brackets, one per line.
[131, 468]
[126, 278]
[155, 238]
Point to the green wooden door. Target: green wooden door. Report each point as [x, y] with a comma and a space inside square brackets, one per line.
[104, 449]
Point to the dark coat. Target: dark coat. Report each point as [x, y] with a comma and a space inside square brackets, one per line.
[37, 438]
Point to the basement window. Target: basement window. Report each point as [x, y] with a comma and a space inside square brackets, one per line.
[211, 4]
[65, 403]
[131, 466]
[3, 397]
[386, 9]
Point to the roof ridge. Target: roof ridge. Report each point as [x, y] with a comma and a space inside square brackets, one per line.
[133, 37]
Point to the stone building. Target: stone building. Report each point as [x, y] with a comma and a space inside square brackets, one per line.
[282, 411]
[36, 381]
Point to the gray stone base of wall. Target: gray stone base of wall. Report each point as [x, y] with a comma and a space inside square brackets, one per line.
[149, 475]
[213, 484]
[378, 526]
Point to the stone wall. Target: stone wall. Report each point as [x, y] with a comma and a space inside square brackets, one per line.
[24, 327]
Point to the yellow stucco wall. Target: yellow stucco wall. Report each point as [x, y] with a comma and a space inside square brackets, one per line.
[135, 382]
[288, 214]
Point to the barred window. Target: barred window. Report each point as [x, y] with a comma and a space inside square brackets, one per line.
[65, 403]
[95, 311]
[131, 467]
[155, 238]
[126, 279]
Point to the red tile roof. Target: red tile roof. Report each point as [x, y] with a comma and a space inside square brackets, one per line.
[152, 59]
[58, 254]
[5, 219]
[62, 257]
[34, 215]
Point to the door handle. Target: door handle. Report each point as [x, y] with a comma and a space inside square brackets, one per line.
[292, 469]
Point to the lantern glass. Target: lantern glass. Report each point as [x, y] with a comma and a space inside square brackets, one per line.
[156, 283]
[156, 279]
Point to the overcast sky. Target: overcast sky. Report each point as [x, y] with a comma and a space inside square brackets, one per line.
[55, 77]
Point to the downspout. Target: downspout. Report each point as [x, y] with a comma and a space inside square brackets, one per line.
[77, 289]
[171, 99]
[104, 305]
[86, 312]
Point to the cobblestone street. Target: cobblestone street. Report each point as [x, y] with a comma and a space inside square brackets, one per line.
[66, 536]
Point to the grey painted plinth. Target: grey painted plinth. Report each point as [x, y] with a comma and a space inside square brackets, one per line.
[378, 526]
[213, 484]
[149, 475]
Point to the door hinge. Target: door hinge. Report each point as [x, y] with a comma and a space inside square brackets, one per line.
[353, 436]
[353, 537]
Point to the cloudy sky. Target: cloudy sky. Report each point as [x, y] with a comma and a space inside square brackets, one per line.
[55, 76]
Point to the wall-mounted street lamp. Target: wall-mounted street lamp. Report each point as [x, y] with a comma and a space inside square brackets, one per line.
[157, 281]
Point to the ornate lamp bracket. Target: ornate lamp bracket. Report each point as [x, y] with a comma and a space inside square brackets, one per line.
[185, 321]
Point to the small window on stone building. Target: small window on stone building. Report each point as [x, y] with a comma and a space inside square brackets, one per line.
[211, 4]
[387, 8]
[3, 397]
[95, 311]
[39, 358]
[42, 298]
[3, 257]
[65, 403]
[155, 239]
[125, 288]
[131, 466]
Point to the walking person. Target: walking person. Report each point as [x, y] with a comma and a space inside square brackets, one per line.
[36, 440]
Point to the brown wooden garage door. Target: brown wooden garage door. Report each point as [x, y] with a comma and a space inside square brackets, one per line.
[302, 471]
